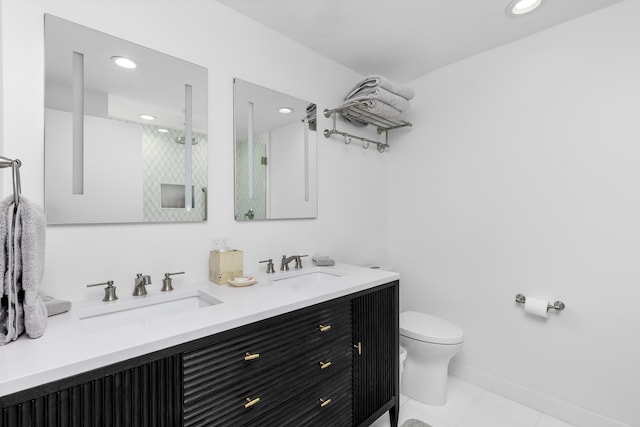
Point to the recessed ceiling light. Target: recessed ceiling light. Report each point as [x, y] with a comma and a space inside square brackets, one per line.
[147, 117]
[124, 62]
[285, 110]
[520, 7]
[163, 130]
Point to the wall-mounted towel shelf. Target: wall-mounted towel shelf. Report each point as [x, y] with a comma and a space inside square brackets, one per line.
[356, 112]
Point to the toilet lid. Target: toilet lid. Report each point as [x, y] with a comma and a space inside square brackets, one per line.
[428, 328]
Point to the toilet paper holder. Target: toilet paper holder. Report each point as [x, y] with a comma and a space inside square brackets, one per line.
[558, 305]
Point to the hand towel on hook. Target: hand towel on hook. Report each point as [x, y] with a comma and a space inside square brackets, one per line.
[29, 244]
[22, 241]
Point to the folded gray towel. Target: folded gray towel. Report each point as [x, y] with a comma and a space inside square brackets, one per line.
[322, 261]
[55, 306]
[377, 107]
[9, 329]
[375, 80]
[29, 241]
[381, 94]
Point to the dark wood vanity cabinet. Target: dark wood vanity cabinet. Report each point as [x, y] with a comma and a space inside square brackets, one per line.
[376, 354]
[333, 364]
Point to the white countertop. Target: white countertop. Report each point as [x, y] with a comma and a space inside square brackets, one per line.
[68, 347]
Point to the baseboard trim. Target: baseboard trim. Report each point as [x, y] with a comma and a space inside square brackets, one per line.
[556, 408]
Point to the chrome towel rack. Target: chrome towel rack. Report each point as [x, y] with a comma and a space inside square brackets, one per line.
[14, 164]
[355, 111]
[558, 305]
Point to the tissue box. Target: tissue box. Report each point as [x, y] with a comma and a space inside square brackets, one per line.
[224, 266]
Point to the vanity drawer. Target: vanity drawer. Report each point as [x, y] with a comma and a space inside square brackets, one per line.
[272, 362]
[328, 404]
[219, 398]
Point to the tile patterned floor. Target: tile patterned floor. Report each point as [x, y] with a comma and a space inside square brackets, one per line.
[471, 406]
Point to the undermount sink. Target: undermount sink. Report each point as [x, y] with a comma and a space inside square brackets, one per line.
[143, 310]
[309, 277]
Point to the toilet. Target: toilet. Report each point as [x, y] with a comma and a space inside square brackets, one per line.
[430, 342]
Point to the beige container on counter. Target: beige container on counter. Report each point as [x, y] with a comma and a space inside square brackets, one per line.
[224, 266]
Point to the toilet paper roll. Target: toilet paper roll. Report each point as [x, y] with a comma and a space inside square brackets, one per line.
[537, 307]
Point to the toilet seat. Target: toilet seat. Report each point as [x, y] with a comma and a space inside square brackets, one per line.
[428, 328]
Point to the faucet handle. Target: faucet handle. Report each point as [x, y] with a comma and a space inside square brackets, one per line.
[270, 268]
[299, 261]
[139, 284]
[109, 291]
[166, 282]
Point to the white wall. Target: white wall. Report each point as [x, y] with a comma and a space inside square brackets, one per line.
[229, 45]
[522, 175]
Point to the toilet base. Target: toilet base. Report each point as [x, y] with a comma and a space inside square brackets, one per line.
[426, 371]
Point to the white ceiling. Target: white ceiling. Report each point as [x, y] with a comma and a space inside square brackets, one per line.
[404, 39]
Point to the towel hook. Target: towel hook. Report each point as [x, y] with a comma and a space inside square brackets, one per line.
[15, 175]
[365, 144]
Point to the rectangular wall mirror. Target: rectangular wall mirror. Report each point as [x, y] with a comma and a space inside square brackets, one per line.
[275, 154]
[125, 130]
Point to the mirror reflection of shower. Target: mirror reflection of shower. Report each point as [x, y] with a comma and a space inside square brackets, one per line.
[275, 154]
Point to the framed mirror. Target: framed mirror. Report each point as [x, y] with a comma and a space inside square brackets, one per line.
[275, 145]
[125, 130]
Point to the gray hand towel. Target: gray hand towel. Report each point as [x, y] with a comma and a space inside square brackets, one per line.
[30, 232]
[9, 330]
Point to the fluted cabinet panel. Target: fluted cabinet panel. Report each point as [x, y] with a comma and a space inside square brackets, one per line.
[146, 395]
[376, 330]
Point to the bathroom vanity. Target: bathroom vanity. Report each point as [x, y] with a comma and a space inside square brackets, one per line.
[318, 353]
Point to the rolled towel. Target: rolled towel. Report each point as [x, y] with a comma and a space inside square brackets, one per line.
[375, 80]
[55, 306]
[381, 94]
[322, 261]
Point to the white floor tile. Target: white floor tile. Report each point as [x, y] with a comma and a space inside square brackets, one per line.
[479, 417]
[403, 399]
[547, 421]
[518, 413]
[419, 411]
[461, 397]
[471, 406]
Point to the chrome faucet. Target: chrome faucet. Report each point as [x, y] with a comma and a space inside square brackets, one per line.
[284, 264]
[139, 284]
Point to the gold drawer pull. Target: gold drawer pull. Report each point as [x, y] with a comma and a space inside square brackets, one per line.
[250, 402]
[324, 403]
[359, 347]
[249, 356]
[324, 328]
[324, 365]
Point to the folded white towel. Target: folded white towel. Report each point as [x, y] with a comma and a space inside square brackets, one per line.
[381, 94]
[375, 80]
